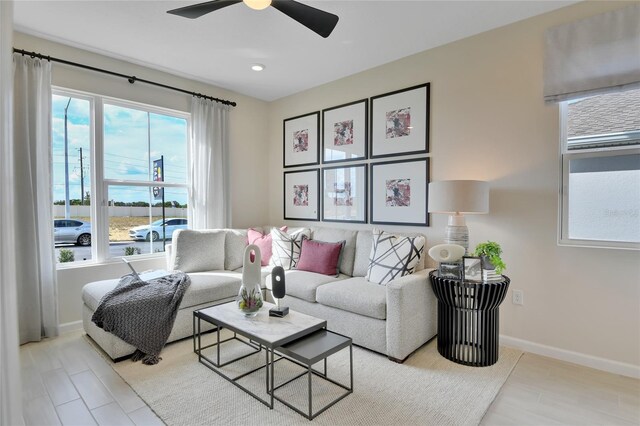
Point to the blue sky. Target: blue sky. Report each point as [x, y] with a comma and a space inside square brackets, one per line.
[128, 149]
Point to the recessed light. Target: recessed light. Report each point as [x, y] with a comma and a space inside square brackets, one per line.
[257, 67]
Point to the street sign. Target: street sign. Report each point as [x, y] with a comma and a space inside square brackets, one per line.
[158, 176]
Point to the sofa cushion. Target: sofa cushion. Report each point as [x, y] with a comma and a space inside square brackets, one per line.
[93, 292]
[393, 256]
[320, 256]
[364, 242]
[198, 250]
[211, 286]
[286, 247]
[264, 272]
[234, 244]
[335, 235]
[355, 295]
[303, 284]
[205, 287]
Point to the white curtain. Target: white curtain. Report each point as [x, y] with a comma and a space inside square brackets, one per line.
[36, 267]
[10, 394]
[209, 149]
[595, 55]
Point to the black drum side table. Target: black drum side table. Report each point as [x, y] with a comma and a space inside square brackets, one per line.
[468, 319]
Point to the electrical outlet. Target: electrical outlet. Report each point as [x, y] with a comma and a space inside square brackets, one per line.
[517, 297]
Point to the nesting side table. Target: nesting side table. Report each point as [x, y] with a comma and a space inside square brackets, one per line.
[468, 319]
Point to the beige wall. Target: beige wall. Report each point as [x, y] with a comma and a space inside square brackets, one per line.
[247, 136]
[489, 122]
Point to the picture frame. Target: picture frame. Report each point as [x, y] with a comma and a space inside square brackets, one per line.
[399, 191]
[345, 130]
[301, 195]
[400, 122]
[300, 140]
[472, 267]
[450, 270]
[344, 190]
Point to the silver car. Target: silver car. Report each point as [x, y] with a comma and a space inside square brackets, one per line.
[144, 232]
[72, 231]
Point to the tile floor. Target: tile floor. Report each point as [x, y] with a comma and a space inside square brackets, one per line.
[65, 381]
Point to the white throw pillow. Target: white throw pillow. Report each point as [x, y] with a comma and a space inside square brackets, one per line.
[286, 247]
[393, 256]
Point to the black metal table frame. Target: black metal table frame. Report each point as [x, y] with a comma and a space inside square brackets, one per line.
[310, 371]
[270, 352]
[469, 319]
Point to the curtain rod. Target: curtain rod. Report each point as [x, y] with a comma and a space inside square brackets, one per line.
[130, 78]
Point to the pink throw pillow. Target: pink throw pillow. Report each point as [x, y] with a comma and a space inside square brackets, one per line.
[263, 241]
[320, 257]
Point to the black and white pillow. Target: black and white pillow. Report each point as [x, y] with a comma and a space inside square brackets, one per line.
[393, 256]
[286, 247]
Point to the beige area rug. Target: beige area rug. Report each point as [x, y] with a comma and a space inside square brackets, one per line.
[426, 390]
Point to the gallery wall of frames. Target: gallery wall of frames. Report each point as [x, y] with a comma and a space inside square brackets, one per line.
[368, 154]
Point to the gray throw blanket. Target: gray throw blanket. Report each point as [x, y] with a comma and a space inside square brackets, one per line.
[142, 312]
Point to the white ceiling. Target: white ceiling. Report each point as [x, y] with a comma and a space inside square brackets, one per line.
[219, 48]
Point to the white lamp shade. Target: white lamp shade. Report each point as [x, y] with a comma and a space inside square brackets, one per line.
[459, 196]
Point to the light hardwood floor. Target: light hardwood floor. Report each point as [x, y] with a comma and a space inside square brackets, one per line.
[65, 381]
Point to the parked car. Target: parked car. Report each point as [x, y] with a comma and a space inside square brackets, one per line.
[72, 231]
[154, 233]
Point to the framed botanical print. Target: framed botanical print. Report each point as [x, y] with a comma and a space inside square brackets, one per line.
[300, 140]
[344, 132]
[344, 192]
[302, 195]
[399, 192]
[400, 122]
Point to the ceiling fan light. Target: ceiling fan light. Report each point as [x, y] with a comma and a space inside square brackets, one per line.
[257, 4]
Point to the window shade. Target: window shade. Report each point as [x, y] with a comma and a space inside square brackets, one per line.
[593, 55]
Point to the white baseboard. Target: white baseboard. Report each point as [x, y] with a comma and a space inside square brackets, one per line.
[68, 327]
[604, 364]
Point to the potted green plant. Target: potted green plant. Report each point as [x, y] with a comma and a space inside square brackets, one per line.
[66, 255]
[131, 250]
[490, 253]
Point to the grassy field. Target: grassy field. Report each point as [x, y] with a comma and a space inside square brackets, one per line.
[119, 226]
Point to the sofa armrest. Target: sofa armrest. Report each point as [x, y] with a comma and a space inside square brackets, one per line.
[411, 314]
[167, 256]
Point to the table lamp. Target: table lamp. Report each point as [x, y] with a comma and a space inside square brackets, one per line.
[458, 197]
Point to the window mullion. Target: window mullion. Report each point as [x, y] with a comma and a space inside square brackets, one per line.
[102, 210]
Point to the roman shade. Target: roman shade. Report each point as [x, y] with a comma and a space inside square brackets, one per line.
[594, 55]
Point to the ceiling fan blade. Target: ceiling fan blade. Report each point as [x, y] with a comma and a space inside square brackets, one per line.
[316, 20]
[197, 10]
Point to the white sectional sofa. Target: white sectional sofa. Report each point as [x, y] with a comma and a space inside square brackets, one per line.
[395, 319]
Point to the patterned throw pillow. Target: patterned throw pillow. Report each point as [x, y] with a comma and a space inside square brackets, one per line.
[393, 256]
[264, 243]
[286, 247]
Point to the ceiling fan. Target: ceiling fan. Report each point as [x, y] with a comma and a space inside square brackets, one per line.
[316, 20]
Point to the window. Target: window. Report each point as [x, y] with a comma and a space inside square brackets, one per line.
[71, 150]
[132, 157]
[600, 192]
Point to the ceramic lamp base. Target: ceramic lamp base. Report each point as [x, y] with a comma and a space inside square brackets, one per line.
[457, 232]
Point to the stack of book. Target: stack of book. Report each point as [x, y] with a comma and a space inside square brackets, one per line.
[490, 276]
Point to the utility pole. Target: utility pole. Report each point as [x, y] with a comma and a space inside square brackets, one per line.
[67, 207]
[81, 180]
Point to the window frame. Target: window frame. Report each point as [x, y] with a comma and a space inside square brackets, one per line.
[99, 208]
[612, 145]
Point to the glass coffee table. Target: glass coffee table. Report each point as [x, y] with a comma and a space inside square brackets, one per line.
[297, 337]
